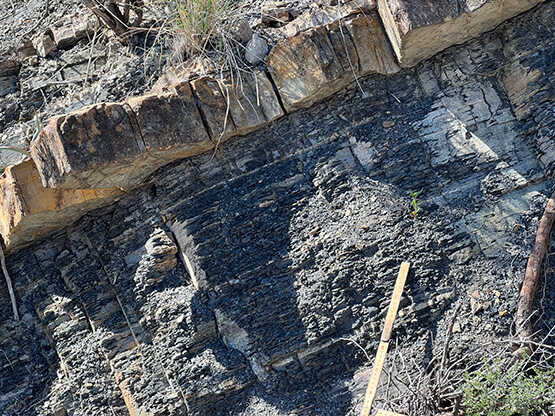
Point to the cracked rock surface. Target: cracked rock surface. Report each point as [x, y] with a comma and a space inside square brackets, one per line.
[230, 282]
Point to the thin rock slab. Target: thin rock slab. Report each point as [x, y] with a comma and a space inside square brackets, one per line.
[29, 211]
[419, 29]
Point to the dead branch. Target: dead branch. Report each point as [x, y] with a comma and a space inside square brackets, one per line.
[110, 14]
[532, 275]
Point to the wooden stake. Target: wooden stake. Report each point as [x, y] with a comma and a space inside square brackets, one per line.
[384, 342]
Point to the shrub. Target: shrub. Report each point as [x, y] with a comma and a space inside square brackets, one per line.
[495, 390]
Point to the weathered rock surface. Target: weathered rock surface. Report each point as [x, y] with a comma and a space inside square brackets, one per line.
[419, 29]
[319, 16]
[29, 211]
[318, 62]
[70, 31]
[9, 69]
[44, 45]
[233, 282]
[256, 50]
[119, 144]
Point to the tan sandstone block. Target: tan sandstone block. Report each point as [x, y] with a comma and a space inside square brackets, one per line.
[29, 211]
[317, 63]
[247, 105]
[170, 124]
[305, 69]
[119, 144]
[419, 29]
[253, 102]
[214, 106]
[374, 50]
[90, 148]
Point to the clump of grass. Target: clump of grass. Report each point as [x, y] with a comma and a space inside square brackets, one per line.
[207, 30]
[198, 22]
[495, 390]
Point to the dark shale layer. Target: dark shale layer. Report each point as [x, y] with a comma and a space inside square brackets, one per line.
[227, 284]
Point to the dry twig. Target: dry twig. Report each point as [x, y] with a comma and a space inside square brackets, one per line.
[9, 284]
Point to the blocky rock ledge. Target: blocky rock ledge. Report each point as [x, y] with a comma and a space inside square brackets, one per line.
[28, 210]
[417, 30]
[88, 154]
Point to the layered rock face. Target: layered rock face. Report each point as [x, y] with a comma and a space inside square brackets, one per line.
[232, 281]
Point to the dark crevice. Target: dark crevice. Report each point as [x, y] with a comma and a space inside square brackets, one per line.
[276, 91]
[201, 113]
[132, 117]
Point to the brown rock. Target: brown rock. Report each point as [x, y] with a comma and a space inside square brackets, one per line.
[241, 31]
[318, 62]
[253, 102]
[67, 34]
[170, 125]
[119, 144]
[325, 15]
[305, 69]
[276, 15]
[26, 49]
[95, 147]
[29, 211]
[419, 29]
[214, 107]
[374, 50]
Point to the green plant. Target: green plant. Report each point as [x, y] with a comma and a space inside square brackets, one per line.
[199, 22]
[495, 390]
[415, 202]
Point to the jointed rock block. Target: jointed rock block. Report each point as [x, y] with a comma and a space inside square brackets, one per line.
[29, 211]
[419, 29]
[119, 144]
[316, 63]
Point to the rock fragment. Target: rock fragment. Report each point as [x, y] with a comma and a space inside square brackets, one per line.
[256, 50]
[418, 30]
[44, 45]
[67, 34]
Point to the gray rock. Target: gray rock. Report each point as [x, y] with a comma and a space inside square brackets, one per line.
[44, 45]
[256, 51]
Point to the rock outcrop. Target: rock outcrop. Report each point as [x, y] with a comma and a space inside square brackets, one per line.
[419, 29]
[237, 281]
[318, 62]
[29, 211]
[120, 144]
